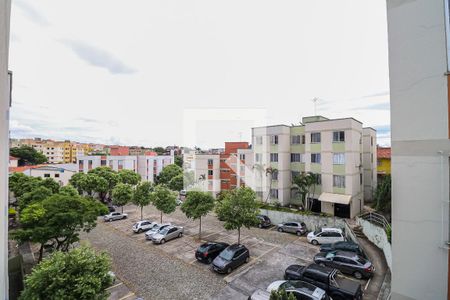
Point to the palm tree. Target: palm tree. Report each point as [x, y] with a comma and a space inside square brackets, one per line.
[259, 168]
[313, 180]
[269, 172]
[301, 184]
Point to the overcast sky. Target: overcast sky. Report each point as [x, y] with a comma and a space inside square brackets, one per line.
[130, 72]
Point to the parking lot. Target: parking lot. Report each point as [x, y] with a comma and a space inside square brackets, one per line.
[270, 253]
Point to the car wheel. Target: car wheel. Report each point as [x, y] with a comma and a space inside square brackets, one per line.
[315, 242]
[357, 275]
[110, 220]
[209, 260]
[299, 233]
[322, 264]
[280, 229]
[229, 270]
[163, 241]
[247, 259]
[180, 234]
[140, 230]
[124, 217]
[259, 225]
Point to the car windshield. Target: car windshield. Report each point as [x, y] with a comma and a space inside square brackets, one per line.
[226, 254]
[361, 260]
[330, 255]
[317, 232]
[164, 231]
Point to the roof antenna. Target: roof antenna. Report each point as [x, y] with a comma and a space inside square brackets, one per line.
[314, 100]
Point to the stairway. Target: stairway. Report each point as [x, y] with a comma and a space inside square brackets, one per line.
[357, 230]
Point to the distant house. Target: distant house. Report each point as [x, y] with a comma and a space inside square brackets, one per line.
[60, 173]
[383, 161]
[13, 162]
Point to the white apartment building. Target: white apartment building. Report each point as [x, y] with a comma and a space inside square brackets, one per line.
[5, 102]
[145, 165]
[419, 69]
[54, 152]
[60, 173]
[207, 172]
[332, 149]
[244, 166]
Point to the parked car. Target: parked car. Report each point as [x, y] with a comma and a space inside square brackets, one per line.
[331, 280]
[343, 246]
[325, 236]
[156, 227]
[299, 228]
[114, 216]
[143, 225]
[264, 221]
[346, 262]
[179, 201]
[301, 289]
[259, 295]
[167, 233]
[232, 257]
[207, 252]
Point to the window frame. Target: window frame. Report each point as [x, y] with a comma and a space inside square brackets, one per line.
[316, 155]
[315, 141]
[340, 137]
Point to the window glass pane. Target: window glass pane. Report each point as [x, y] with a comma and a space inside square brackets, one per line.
[315, 137]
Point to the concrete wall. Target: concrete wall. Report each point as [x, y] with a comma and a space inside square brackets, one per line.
[378, 236]
[420, 148]
[312, 222]
[5, 8]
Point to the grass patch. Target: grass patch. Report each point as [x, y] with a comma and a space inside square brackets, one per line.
[290, 210]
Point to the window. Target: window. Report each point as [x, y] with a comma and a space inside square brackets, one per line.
[103, 162]
[303, 139]
[120, 164]
[56, 175]
[258, 140]
[210, 172]
[297, 157]
[295, 174]
[319, 178]
[295, 139]
[315, 138]
[275, 176]
[360, 179]
[371, 141]
[274, 157]
[338, 158]
[46, 175]
[338, 136]
[242, 169]
[339, 181]
[210, 162]
[258, 157]
[89, 164]
[242, 156]
[111, 164]
[274, 139]
[315, 158]
[274, 193]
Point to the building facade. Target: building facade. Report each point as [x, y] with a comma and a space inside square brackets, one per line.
[228, 165]
[420, 133]
[207, 172]
[340, 152]
[383, 161]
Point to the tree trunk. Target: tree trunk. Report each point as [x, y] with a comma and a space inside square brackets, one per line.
[141, 212]
[41, 252]
[239, 235]
[200, 229]
[161, 218]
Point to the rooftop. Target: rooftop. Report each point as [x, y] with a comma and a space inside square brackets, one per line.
[384, 152]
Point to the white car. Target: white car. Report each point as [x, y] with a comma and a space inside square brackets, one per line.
[325, 236]
[300, 289]
[167, 233]
[114, 216]
[143, 225]
[156, 227]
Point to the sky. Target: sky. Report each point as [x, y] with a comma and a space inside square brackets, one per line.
[157, 73]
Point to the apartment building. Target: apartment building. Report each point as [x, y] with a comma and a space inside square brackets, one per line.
[339, 151]
[245, 167]
[5, 102]
[147, 166]
[207, 172]
[228, 165]
[419, 69]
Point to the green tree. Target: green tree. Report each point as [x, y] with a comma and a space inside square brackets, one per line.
[238, 208]
[179, 160]
[188, 178]
[300, 184]
[20, 184]
[281, 294]
[197, 205]
[28, 155]
[164, 200]
[57, 220]
[270, 172]
[111, 177]
[383, 194]
[176, 183]
[68, 190]
[51, 184]
[80, 274]
[159, 150]
[76, 181]
[129, 177]
[122, 194]
[143, 195]
[36, 195]
[93, 183]
[168, 173]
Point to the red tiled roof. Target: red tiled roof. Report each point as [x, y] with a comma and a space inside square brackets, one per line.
[384, 152]
[23, 168]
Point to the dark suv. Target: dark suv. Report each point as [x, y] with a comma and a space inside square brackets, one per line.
[264, 221]
[231, 258]
[346, 262]
[208, 251]
[343, 246]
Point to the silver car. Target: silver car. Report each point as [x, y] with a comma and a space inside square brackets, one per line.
[143, 225]
[299, 228]
[114, 216]
[156, 227]
[167, 233]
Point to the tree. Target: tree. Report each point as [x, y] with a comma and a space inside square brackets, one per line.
[270, 172]
[179, 160]
[57, 220]
[382, 195]
[36, 195]
[313, 180]
[122, 194]
[188, 178]
[68, 190]
[20, 184]
[143, 195]
[196, 205]
[76, 181]
[164, 200]
[238, 208]
[93, 183]
[168, 173]
[300, 184]
[176, 183]
[159, 150]
[51, 184]
[281, 295]
[129, 177]
[111, 177]
[79, 274]
[28, 155]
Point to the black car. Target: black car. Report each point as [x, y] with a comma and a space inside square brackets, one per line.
[231, 258]
[346, 262]
[208, 251]
[264, 221]
[343, 246]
